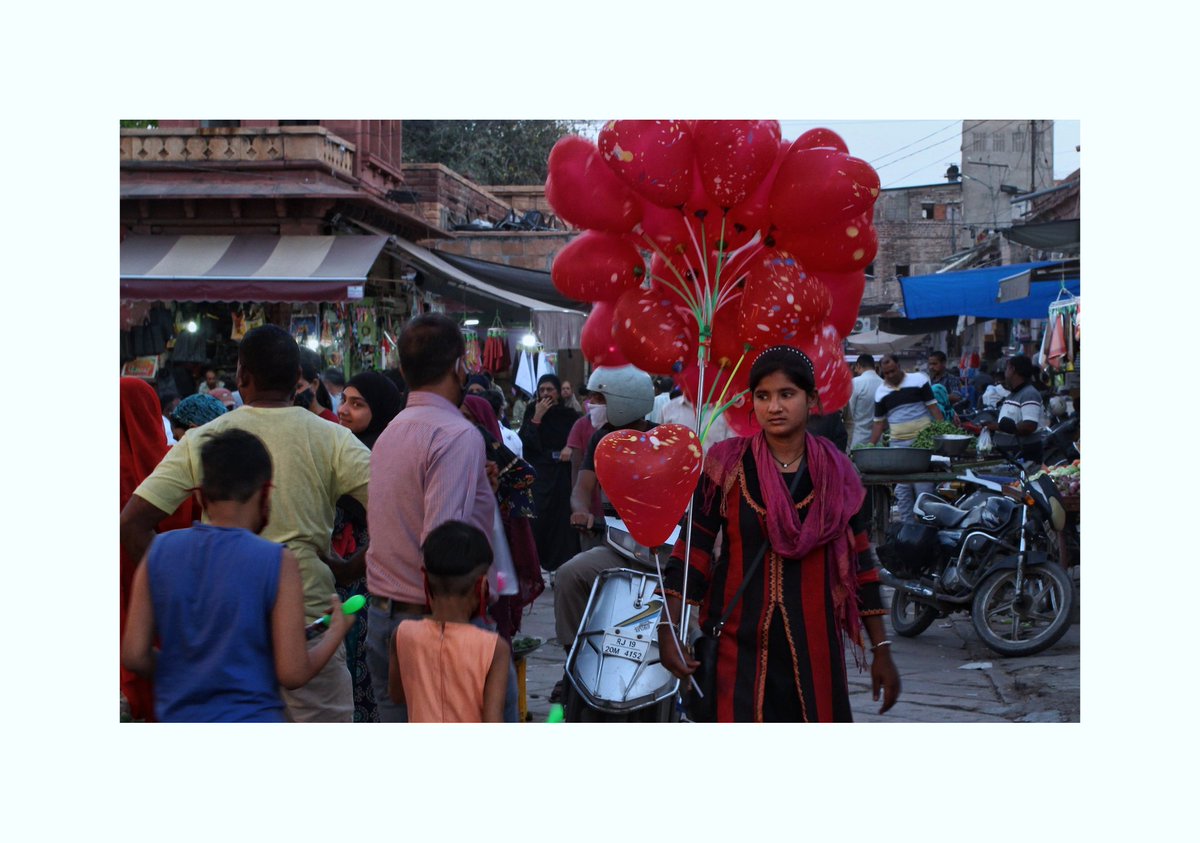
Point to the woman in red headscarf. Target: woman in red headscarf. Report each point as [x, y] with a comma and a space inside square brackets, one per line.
[788, 505]
[143, 445]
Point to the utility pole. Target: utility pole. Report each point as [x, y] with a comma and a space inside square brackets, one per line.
[1032, 156]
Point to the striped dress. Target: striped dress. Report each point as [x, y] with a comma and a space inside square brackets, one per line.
[780, 657]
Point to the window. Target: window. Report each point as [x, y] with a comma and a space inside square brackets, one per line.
[927, 210]
[220, 124]
[1018, 141]
[998, 142]
[902, 270]
[978, 142]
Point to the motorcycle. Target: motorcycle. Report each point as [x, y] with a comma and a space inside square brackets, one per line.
[613, 670]
[994, 553]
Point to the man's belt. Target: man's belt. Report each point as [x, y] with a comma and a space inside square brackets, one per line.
[396, 607]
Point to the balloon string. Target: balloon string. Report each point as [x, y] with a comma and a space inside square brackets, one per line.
[687, 545]
[720, 262]
[739, 263]
[703, 259]
[723, 405]
[681, 292]
[691, 301]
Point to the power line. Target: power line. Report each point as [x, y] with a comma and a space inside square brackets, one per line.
[875, 163]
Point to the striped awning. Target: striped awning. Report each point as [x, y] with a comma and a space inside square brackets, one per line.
[247, 267]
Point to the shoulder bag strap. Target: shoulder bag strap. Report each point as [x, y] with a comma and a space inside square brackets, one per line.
[753, 565]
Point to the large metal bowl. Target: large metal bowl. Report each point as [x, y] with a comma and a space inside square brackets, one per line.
[951, 445]
[892, 460]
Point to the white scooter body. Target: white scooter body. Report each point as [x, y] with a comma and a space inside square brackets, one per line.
[614, 665]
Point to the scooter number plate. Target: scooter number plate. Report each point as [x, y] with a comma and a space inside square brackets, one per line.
[626, 648]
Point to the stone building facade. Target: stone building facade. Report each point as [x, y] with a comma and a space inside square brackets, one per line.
[1001, 159]
[918, 227]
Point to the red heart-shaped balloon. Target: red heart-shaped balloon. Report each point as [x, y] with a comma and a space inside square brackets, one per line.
[650, 477]
[650, 332]
[781, 303]
[596, 341]
[819, 187]
[840, 246]
[653, 157]
[585, 192]
[597, 266]
[734, 156]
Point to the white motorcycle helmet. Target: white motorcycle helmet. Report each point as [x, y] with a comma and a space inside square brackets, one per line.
[628, 393]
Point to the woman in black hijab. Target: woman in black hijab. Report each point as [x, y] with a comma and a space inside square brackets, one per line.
[369, 403]
[543, 436]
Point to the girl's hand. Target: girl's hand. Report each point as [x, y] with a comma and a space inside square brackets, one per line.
[672, 655]
[884, 675]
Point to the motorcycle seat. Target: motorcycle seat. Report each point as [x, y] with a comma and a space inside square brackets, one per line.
[932, 510]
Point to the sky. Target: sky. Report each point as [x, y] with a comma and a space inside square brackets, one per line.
[911, 152]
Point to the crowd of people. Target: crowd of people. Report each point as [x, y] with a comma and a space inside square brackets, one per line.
[249, 516]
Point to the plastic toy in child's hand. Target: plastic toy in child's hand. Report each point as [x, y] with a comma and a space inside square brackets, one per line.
[322, 623]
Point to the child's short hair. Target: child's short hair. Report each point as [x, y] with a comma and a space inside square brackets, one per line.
[235, 465]
[455, 554]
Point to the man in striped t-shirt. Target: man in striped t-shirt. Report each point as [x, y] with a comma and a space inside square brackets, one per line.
[904, 403]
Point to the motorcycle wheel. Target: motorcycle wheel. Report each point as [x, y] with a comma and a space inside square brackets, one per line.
[1021, 625]
[910, 618]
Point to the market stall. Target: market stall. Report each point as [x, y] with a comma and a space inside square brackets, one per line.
[186, 301]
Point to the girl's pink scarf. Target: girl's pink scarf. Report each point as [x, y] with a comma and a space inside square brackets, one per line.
[837, 496]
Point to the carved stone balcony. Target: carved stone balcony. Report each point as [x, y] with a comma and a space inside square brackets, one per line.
[302, 146]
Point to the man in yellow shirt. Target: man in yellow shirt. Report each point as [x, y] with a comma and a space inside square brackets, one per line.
[315, 462]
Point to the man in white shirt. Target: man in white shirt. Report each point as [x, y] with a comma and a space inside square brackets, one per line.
[662, 394]
[680, 411]
[862, 399]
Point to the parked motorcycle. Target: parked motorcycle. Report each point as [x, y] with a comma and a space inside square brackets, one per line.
[993, 553]
[613, 670]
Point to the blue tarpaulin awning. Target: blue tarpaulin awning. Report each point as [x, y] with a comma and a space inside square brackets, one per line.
[977, 292]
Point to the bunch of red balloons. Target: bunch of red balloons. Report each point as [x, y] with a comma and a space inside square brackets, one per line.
[709, 240]
[705, 242]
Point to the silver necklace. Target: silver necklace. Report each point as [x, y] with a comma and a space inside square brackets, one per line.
[783, 464]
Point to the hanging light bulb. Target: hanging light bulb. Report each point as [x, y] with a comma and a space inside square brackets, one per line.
[470, 323]
[313, 343]
[191, 326]
[529, 340]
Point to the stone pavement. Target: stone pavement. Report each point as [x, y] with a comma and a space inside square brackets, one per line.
[947, 676]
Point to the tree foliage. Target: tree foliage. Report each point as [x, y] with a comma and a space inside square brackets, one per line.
[139, 124]
[487, 151]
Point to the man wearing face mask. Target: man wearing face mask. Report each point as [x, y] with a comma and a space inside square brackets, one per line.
[620, 400]
[428, 467]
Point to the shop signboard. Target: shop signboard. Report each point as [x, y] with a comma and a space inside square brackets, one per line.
[140, 367]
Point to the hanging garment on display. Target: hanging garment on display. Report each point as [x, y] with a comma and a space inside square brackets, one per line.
[474, 356]
[545, 366]
[525, 380]
[239, 325]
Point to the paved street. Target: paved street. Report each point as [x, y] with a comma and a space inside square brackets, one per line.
[948, 676]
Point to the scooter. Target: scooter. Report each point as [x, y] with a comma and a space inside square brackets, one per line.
[613, 670]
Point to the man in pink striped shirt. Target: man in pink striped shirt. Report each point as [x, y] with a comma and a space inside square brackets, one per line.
[427, 467]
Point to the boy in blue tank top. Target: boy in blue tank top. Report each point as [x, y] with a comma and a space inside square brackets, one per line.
[226, 605]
